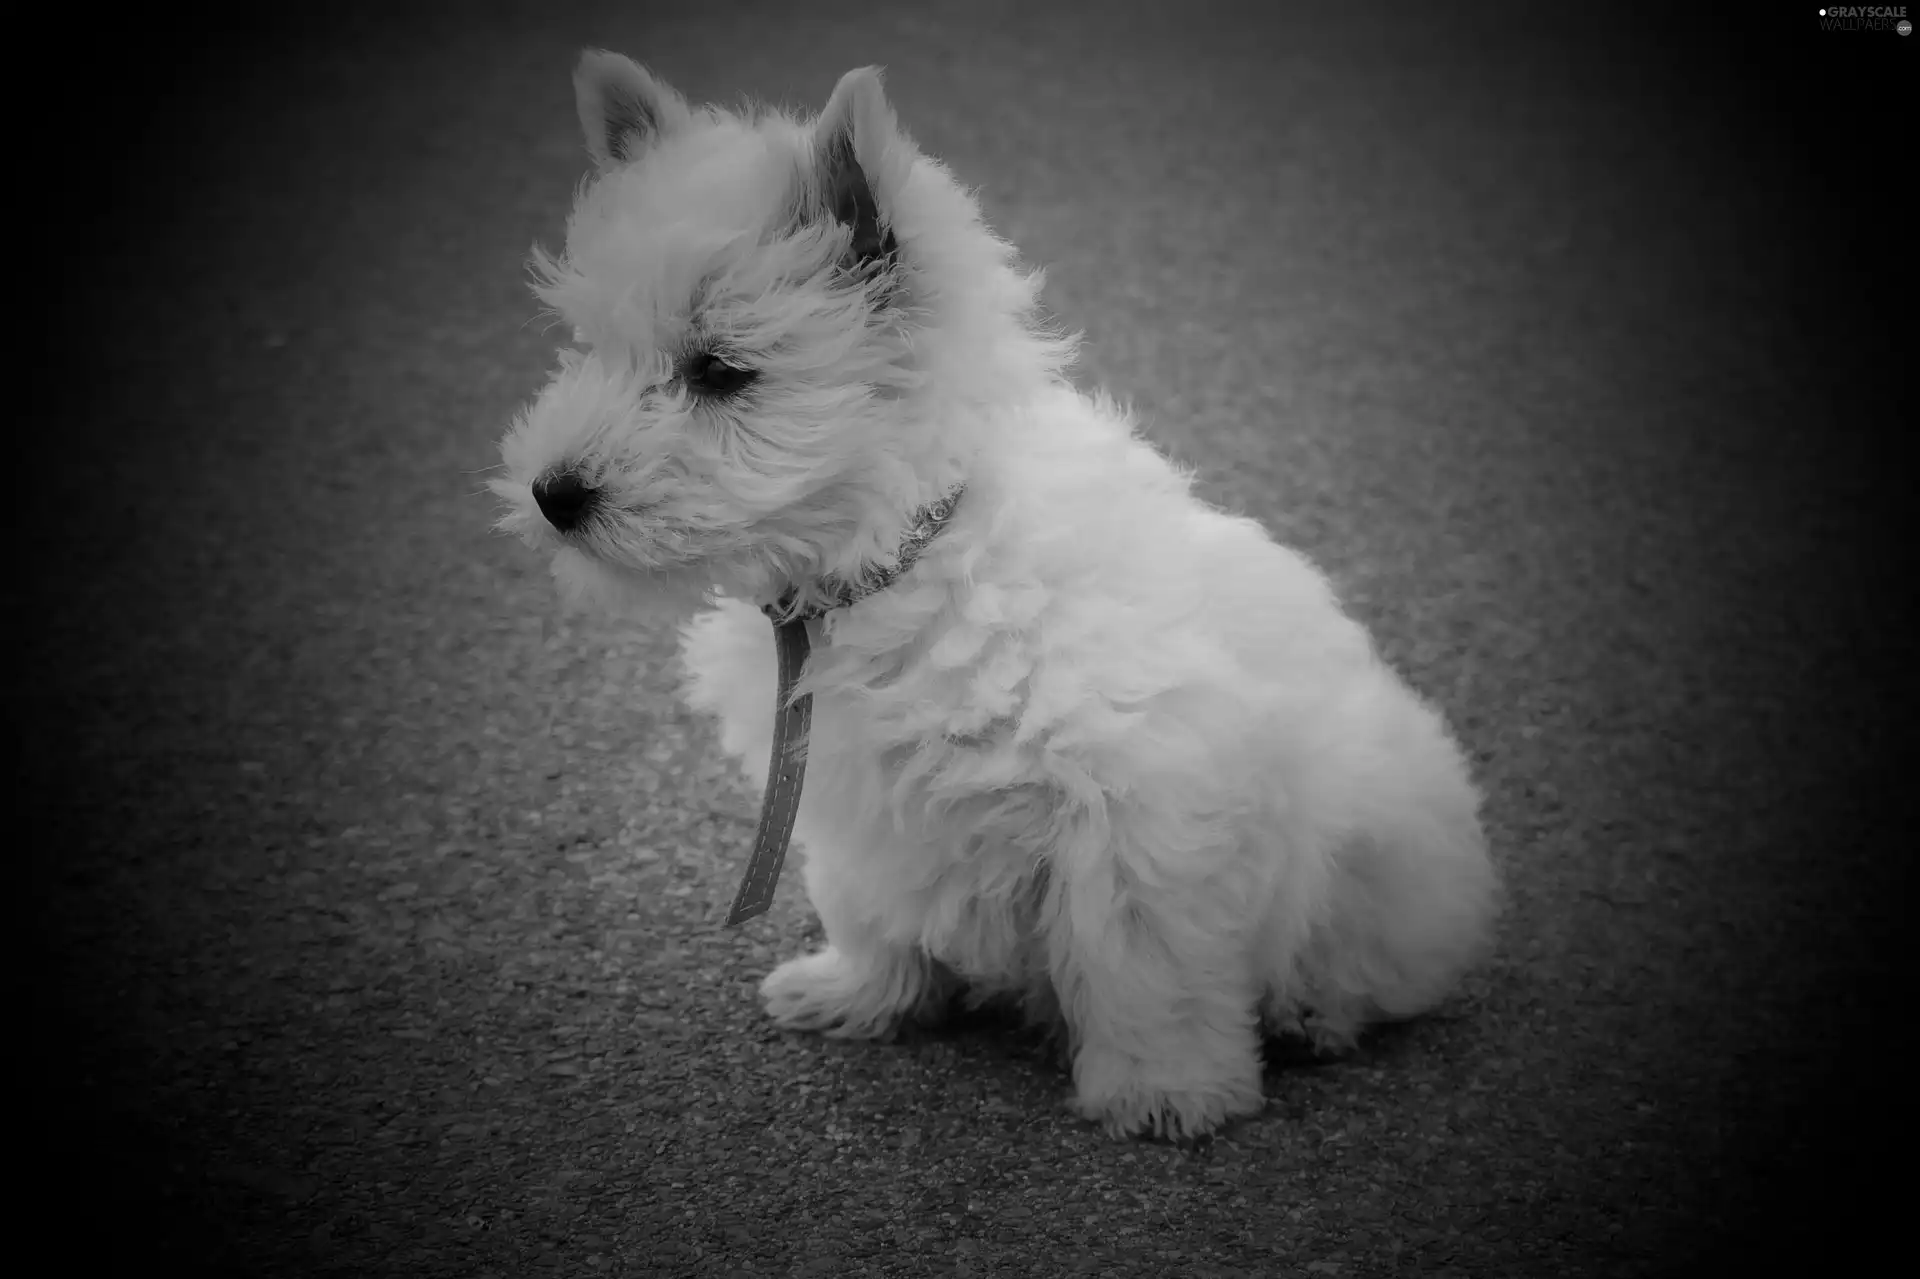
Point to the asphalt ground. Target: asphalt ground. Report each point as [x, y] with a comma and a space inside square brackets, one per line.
[370, 914]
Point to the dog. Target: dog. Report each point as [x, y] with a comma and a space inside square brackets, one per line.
[1078, 740]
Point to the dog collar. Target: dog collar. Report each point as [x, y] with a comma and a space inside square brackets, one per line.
[927, 523]
[793, 716]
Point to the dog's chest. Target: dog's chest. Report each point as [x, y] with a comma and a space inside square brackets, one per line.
[919, 756]
[984, 921]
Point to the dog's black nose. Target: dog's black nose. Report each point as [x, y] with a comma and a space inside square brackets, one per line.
[563, 499]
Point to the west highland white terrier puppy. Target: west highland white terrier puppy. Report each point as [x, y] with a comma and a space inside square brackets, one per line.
[1077, 738]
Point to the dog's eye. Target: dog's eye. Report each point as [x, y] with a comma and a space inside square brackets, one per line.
[708, 374]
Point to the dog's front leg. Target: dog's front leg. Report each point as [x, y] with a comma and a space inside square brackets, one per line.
[862, 984]
[1158, 991]
[863, 993]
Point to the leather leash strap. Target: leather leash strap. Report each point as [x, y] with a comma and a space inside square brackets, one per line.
[792, 718]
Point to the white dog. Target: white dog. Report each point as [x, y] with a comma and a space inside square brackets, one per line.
[1078, 738]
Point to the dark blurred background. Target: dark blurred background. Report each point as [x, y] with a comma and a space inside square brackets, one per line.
[369, 908]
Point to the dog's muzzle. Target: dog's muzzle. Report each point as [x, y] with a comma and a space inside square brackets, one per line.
[563, 499]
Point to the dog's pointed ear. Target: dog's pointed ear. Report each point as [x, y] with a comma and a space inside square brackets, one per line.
[860, 161]
[622, 108]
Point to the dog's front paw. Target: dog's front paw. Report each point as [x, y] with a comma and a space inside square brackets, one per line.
[1132, 1098]
[843, 997]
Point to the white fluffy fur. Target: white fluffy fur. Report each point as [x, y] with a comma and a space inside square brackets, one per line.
[1104, 749]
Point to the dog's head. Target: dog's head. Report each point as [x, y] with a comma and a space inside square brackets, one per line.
[775, 325]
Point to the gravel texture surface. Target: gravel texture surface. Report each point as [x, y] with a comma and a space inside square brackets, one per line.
[372, 906]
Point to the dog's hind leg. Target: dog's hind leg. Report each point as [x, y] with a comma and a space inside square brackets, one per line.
[1411, 893]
